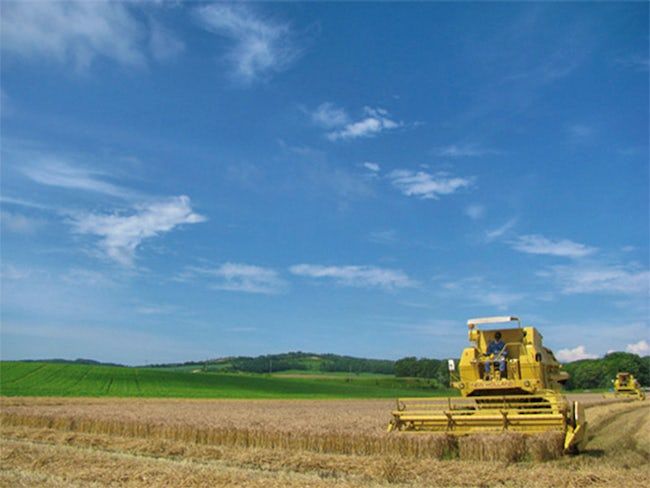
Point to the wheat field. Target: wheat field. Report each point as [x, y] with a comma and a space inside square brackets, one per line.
[121, 442]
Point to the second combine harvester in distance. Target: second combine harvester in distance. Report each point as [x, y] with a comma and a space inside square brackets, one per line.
[517, 388]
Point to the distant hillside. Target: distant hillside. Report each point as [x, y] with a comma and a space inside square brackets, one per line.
[72, 361]
[291, 361]
[56, 379]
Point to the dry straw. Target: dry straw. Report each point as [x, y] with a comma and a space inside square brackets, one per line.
[508, 447]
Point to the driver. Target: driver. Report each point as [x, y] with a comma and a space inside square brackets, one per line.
[497, 353]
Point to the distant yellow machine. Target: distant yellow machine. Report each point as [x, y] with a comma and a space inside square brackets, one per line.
[626, 386]
[527, 398]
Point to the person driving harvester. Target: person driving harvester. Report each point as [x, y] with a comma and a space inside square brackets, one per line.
[496, 352]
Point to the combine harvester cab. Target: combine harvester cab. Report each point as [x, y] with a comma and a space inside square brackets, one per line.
[525, 398]
[627, 386]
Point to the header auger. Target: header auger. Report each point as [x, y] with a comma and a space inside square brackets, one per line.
[508, 381]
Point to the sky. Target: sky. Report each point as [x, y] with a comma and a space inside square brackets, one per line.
[191, 180]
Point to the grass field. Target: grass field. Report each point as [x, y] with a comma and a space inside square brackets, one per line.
[51, 379]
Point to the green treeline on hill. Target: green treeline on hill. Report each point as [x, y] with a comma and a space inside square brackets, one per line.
[599, 373]
[433, 369]
[585, 374]
[292, 361]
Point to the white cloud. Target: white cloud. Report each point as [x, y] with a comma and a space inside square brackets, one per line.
[374, 167]
[55, 172]
[427, 185]
[375, 121]
[261, 46]
[329, 116]
[240, 277]
[642, 348]
[493, 234]
[536, 244]
[578, 352]
[475, 212]
[595, 278]
[73, 31]
[18, 223]
[464, 150]
[357, 276]
[122, 234]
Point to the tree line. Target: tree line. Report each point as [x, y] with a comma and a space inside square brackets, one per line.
[584, 374]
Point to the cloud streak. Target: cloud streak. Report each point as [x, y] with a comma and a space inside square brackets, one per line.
[463, 151]
[537, 244]
[605, 279]
[374, 122]
[58, 173]
[239, 277]
[120, 235]
[259, 46]
[426, 185]
[355, 276]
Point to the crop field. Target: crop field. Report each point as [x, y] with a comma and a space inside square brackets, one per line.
[320, 443]
[52, 379]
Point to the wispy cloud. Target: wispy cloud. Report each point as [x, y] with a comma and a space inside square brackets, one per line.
[426, 185]
[374, 122]
[537, 244]
[374, 167]
[19, 223]
[239, 277]
[356, 276]
[329, 116]
[260, 47]
[475, 211]
[120, 235]
[642, 348]
[384, 236]
[579, 133]
[636, 62]
[463, 150]
[78, 32]
[578, 352]
[478, 290]
[500, 231]
[598, 278]
[162, 43]
[59, 173]
[19, 202]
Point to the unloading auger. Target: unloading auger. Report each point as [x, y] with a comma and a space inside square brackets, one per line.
[527, 398]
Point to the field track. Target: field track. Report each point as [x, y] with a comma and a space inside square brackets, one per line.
[85, 442]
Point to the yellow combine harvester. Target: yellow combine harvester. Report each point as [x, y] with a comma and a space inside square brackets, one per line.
[513, 387]
[626, 386]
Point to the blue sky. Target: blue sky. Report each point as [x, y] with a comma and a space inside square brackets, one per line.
[186, 180]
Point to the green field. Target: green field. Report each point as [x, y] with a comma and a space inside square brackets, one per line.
[51, 379]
